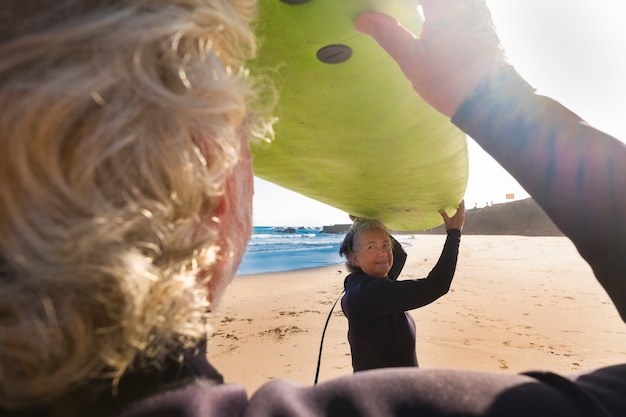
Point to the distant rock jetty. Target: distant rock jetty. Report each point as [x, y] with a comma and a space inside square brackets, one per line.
[336, 229]
[285, 229]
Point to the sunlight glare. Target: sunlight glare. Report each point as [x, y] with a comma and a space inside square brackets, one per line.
[572, 51]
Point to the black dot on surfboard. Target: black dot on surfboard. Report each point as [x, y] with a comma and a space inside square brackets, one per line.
[334, 54]
[295, 1]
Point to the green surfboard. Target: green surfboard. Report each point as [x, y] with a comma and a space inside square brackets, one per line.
[351, 131]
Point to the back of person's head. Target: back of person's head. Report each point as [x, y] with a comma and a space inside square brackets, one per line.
[350, 244]
[120, 121]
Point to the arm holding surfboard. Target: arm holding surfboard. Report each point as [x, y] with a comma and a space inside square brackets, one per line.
[576, 173]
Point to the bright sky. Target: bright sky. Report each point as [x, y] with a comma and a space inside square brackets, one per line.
[571, 50]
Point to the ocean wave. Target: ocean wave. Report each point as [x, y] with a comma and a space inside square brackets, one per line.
[292, 249]
[271, 249]
[284, 236]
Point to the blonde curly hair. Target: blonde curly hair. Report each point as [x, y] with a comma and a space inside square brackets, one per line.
[121, 120]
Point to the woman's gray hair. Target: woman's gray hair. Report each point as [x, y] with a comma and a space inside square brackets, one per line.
[351, 240]
[120, 122]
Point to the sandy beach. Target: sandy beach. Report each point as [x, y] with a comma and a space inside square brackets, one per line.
[517, 303]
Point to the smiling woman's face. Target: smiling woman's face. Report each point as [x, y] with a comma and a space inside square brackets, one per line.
[374, 253]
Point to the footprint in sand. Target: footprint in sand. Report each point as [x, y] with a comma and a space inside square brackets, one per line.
[281, 332]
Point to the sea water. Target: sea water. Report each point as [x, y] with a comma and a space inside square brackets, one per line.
[274, 249]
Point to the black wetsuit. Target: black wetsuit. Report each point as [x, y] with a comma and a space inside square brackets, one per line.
[381, 332]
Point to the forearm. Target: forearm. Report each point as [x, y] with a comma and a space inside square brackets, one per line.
[399, 259]
[386, 297]
[576, 173]
[440, 277]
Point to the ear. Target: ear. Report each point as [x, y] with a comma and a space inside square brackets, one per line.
[222, 206]
[212, 216]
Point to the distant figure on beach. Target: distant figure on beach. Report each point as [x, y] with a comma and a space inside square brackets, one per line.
[126, 203]
[381, 331]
